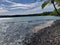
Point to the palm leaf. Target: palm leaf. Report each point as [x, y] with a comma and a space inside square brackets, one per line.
[57, 2]
[44, 4]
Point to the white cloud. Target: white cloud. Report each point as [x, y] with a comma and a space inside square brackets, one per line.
[36, 8]
[2, 10]
[9, 1]
[22, 6]
[32, 11]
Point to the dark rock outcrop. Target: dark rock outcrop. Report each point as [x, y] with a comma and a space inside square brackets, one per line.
[47, 36]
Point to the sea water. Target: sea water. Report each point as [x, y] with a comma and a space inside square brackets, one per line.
[14, 30]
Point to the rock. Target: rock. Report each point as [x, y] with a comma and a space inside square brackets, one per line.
[46, 36]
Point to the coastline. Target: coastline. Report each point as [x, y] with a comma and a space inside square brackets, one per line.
[41, 26]
[46, 36]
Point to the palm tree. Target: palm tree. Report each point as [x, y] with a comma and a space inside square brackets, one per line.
[52, 1]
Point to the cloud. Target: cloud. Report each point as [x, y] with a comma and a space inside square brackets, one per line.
[37, 10]
[2, 9]
[6, 8]
[22, 6]
[18, 8]
[9, 1]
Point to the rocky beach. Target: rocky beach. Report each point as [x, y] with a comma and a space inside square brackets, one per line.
[46, 36]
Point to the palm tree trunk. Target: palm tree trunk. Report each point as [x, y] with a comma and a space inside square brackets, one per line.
[58, 14]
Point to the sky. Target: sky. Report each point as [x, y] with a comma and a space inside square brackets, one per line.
[13, 7]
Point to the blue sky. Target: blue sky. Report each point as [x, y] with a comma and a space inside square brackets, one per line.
[9, 7]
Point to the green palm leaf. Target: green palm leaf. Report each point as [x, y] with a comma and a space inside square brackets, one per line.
[44, 4]
[57, 2]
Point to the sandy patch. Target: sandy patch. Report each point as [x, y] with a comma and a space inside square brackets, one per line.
[41, 26]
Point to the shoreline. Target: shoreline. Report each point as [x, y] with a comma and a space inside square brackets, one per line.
[46, 36]
[41, 26]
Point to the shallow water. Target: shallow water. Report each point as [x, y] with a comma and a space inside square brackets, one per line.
[33, 18]
[13, 30]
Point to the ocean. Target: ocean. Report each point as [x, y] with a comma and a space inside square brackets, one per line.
[14, 30]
